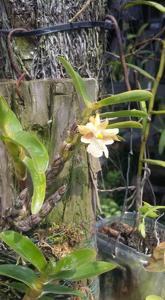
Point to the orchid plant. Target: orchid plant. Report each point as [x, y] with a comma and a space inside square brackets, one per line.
[38, 277]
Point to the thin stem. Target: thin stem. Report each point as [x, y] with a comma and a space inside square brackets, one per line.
[150, 109]
[119, 189]
[122, 56]
[158, 112]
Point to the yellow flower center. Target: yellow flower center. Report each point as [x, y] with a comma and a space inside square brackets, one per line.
[99, 136]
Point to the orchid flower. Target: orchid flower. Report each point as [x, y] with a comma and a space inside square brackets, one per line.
[97, 136]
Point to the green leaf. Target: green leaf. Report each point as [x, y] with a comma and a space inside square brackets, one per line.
[11, 128]
[16, 153]
[67, 266]
[141, 29]
[126, 124]
[39, 186]
[124, 113]
[162, 142]
[155, 162]
[9, 124]
[23, 274]
[61, 290]
[78, 82]
[24, 247]
[34, 148]
[46, 298]
[19, 286]
[126, 97]
[142, 230]
[92, 269]
[146, 208]
[141, 71]
[154, 297]
[156, 5]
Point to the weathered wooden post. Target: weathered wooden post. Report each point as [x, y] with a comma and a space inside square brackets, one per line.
[48, 104]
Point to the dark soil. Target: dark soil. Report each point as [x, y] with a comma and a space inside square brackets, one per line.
[131, 237]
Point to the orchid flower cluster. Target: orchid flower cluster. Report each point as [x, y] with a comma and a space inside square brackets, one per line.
[96, 134]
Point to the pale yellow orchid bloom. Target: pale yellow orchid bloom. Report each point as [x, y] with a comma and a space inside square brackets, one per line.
[97, 136]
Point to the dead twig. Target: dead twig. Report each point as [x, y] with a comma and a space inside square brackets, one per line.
[83, 8]
[119, 189]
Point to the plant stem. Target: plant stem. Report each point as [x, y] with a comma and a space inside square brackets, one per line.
[35, 292]
[150, 110]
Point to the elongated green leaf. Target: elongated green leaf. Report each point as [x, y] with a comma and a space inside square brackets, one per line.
[10, 127]
[126, 124]
[16, 153]
[67, 266]
[19, 286]
[46, 298]
[156, 162]
[9, 124]
[39, 185]
[24, 247]
[162, 142]
[61, 290]
[124, 113]
[126, 97]
[156, 5]
[154, 297]
[62, 275]
[78, 82]
[141, 229]
[92, 269]
[19, 273]
[141, 29]
[146, 208]
[34, 148]
[141, 71]
[24, 142]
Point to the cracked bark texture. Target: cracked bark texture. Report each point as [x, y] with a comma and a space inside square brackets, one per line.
[37, 56]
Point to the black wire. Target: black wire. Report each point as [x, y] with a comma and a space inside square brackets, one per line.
[60, 28]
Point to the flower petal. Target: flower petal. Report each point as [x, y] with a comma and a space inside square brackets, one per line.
[94, 149]
[83, 129]
[106, 151]
[111, 131]
[85, 140]
[91, 127]
[97, 120]
[103, 124]
[108, 141]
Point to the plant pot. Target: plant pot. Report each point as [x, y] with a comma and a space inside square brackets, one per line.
[131, 281]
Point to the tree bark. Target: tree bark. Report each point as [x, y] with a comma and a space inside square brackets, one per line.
[37, 57]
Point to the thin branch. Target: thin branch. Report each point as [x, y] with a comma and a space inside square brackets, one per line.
[83, 8]
[122, 56]
[119, 189]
